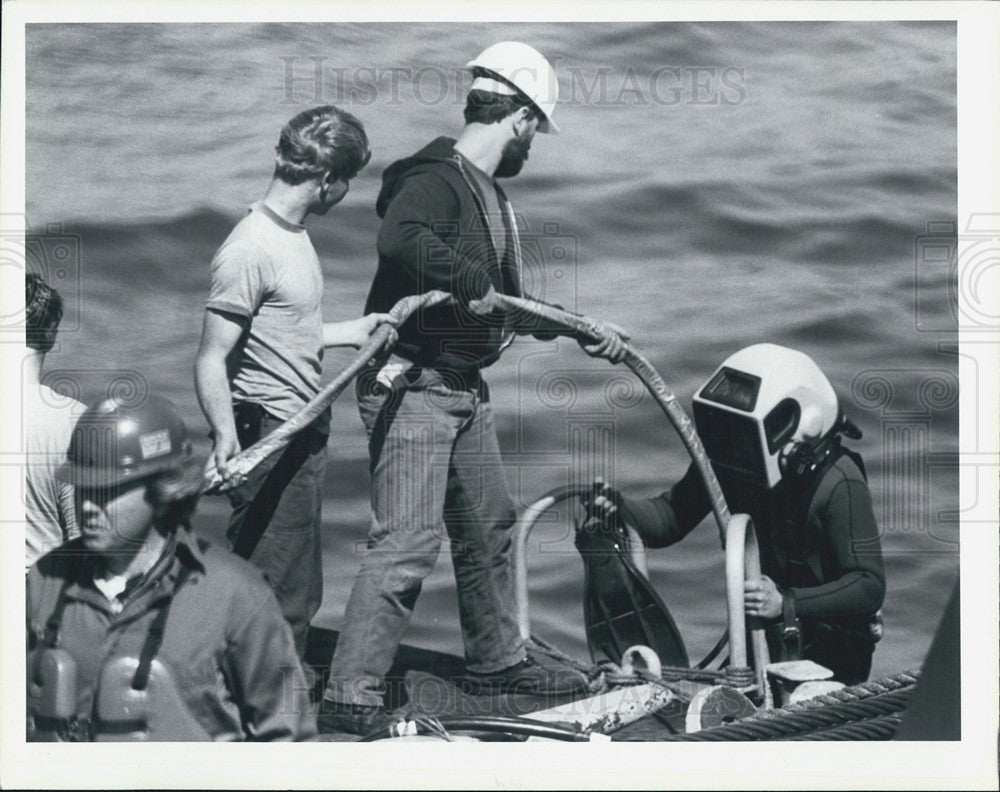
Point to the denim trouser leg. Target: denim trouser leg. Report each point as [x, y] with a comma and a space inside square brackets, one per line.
[281, 503]
[479, 514]
[432, 449]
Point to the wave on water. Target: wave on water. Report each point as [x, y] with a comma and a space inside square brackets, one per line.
[791, 212]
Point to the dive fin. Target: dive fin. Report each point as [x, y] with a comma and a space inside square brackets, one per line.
[620, 606]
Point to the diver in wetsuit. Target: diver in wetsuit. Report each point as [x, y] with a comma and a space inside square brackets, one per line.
[770, 422]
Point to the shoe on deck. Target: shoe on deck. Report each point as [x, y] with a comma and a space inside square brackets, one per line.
[527, 678]
[360, 719]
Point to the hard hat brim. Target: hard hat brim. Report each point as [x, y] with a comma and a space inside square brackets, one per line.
[547, 126]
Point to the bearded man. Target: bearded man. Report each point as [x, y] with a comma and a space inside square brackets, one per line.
[435, 459]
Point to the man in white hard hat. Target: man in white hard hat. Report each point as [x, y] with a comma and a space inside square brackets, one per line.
[771, 425]
[435, 460]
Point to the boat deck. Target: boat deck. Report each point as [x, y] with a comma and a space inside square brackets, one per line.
[430, 683]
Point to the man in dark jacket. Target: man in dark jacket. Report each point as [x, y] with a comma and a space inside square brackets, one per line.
[435, 460]
[139, 631]
[771, 425]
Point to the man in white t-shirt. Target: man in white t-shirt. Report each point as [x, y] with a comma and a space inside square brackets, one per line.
[48, 423]
[261, 350]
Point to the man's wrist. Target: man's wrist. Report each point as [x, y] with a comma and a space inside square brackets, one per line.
[789, 618]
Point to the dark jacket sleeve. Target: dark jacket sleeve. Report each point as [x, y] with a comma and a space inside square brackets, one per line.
[851, 551]
[668, 518]
[413, 236]
[271, 688]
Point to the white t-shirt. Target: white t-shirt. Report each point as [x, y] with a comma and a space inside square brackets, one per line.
[49, 418]
[267, 271]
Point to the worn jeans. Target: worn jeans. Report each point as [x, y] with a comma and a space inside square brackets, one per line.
[436, 468]
[276, 520]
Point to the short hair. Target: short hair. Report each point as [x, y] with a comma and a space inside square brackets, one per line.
[319, 141]
[43, 309]
[487, 107]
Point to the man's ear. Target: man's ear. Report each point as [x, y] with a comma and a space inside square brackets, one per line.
[324, 185]
[521, 115]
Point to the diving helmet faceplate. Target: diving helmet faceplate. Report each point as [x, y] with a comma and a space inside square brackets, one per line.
[757, 402]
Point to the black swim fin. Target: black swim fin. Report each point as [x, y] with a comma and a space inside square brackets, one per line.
[620, 606]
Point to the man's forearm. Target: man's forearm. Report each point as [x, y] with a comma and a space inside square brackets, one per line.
[214, 396]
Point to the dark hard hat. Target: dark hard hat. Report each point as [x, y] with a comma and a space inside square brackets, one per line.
[113, 443]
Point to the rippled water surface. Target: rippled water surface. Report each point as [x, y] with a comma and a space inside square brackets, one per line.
[715, 185]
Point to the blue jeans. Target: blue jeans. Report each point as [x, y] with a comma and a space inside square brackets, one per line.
[436, 468]
[276, 519]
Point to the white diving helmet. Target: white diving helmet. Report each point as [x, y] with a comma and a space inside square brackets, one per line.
[760, 403]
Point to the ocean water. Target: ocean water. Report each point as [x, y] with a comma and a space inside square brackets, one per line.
[715, 185]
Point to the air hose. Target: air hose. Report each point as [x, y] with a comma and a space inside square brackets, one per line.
[483, 723]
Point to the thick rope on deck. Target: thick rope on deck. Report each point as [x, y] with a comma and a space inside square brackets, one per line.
[868, 711]
[877, 687]
[882, 727]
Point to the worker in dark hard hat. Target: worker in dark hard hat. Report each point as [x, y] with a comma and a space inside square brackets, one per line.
[139, 631]
[447, 224]
[771, 425]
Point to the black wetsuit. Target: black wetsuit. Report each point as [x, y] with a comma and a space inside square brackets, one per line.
[825, 555]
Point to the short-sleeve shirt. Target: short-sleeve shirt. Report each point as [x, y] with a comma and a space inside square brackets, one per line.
[49, 418]
[267, 271]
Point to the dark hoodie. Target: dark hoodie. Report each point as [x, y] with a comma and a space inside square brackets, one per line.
[434, 236]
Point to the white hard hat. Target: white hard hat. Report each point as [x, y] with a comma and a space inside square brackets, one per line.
[759, 400]
[527, 70]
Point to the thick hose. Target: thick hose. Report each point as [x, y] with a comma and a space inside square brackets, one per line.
[246, 460]
[523, 316]
[491, 724]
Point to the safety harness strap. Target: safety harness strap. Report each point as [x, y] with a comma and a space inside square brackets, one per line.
[55, 619]
[154, 638]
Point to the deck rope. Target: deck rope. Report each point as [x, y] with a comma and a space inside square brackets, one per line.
[868, 711]
[882, 727]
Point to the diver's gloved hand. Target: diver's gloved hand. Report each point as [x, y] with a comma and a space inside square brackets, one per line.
[602, 502]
